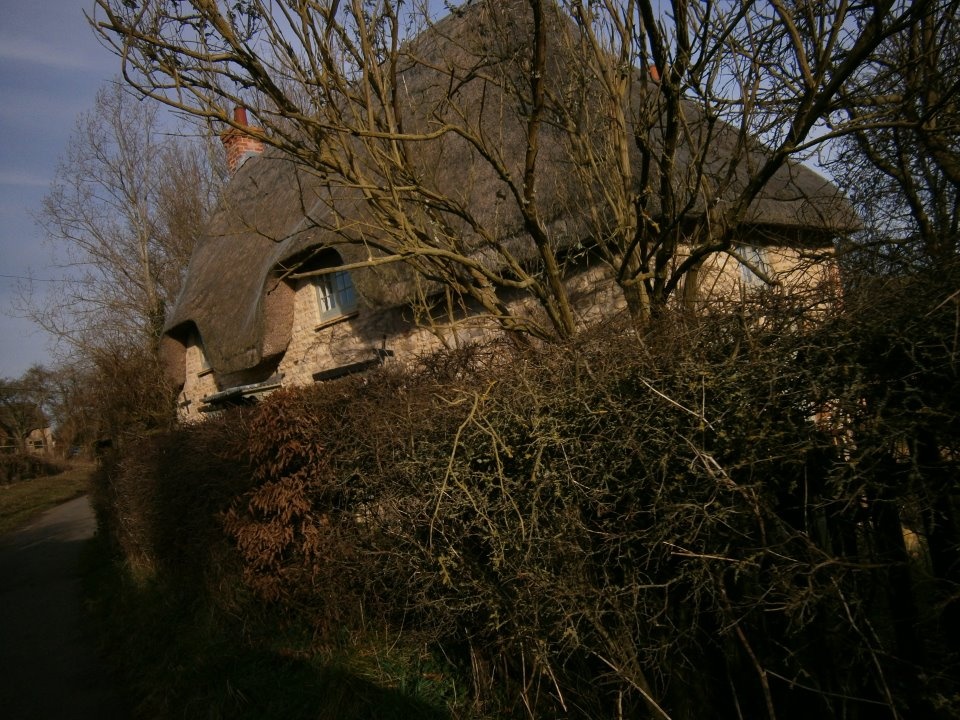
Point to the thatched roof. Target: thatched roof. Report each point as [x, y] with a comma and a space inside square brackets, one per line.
[273, 211]
[18, 418]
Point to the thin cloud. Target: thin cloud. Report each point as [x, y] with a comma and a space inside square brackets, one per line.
[29, 50]
[43, 111]
[20, 178]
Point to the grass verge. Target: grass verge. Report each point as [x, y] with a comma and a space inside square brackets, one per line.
[24, 501]
[180, 654]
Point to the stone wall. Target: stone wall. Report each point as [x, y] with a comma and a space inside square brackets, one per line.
[722, 279]
[39, 441]
[357, 337]
[319, 346]
[199, 381]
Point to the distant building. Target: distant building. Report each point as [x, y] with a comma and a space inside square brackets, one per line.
[24, 428]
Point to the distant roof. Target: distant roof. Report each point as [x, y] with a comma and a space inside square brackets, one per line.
[21, 417]
[273, 210]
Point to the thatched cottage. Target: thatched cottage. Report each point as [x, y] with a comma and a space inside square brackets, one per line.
[247, 322]
[24, 428]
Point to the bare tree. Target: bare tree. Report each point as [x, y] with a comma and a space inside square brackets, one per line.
[665, 172]
[23, 402]
[128, 203]
[902, 166]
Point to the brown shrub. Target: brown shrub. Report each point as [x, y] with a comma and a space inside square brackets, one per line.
[709, 515]
[16, 467]
[281, 525]
[160, 499]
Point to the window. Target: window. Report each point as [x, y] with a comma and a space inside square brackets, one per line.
[335, 295]
[755, 257]
[333, 291]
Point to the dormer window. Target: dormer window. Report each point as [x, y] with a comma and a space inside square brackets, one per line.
[326, 293]
[335, 295]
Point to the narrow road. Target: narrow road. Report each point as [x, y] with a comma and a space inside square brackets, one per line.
[49, 669]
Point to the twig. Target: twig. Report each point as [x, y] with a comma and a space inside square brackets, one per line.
[761, 671]
[683, 552]
[636, 686]
[673, 402]
[827, 693]
[873, 654]
[453, 454]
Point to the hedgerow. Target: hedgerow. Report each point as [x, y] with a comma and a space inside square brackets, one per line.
[19, 466]
[707, 519]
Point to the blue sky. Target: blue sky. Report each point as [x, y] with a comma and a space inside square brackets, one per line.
[50, 68]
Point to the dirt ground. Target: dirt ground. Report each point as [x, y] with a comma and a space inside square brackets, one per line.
[49, 668]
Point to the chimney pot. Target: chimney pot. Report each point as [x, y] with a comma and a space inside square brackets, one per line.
[241, 143]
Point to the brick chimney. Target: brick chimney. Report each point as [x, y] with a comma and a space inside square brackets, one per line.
[241, 144]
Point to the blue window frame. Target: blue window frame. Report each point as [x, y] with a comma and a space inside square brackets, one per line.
[336, 295]
[756, 255]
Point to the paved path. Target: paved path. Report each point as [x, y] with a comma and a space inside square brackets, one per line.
[48, 667]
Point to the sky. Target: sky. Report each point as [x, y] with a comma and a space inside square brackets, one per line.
[51, 66]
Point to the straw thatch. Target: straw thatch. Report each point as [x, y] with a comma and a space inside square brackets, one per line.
[274, 212]
[19, 419]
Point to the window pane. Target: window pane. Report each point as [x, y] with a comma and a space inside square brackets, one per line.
[335, 293]
[324, 294]
[757, 257]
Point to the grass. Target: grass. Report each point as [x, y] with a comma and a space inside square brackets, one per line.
[180, 655]
[24, 501]
[177, 653]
